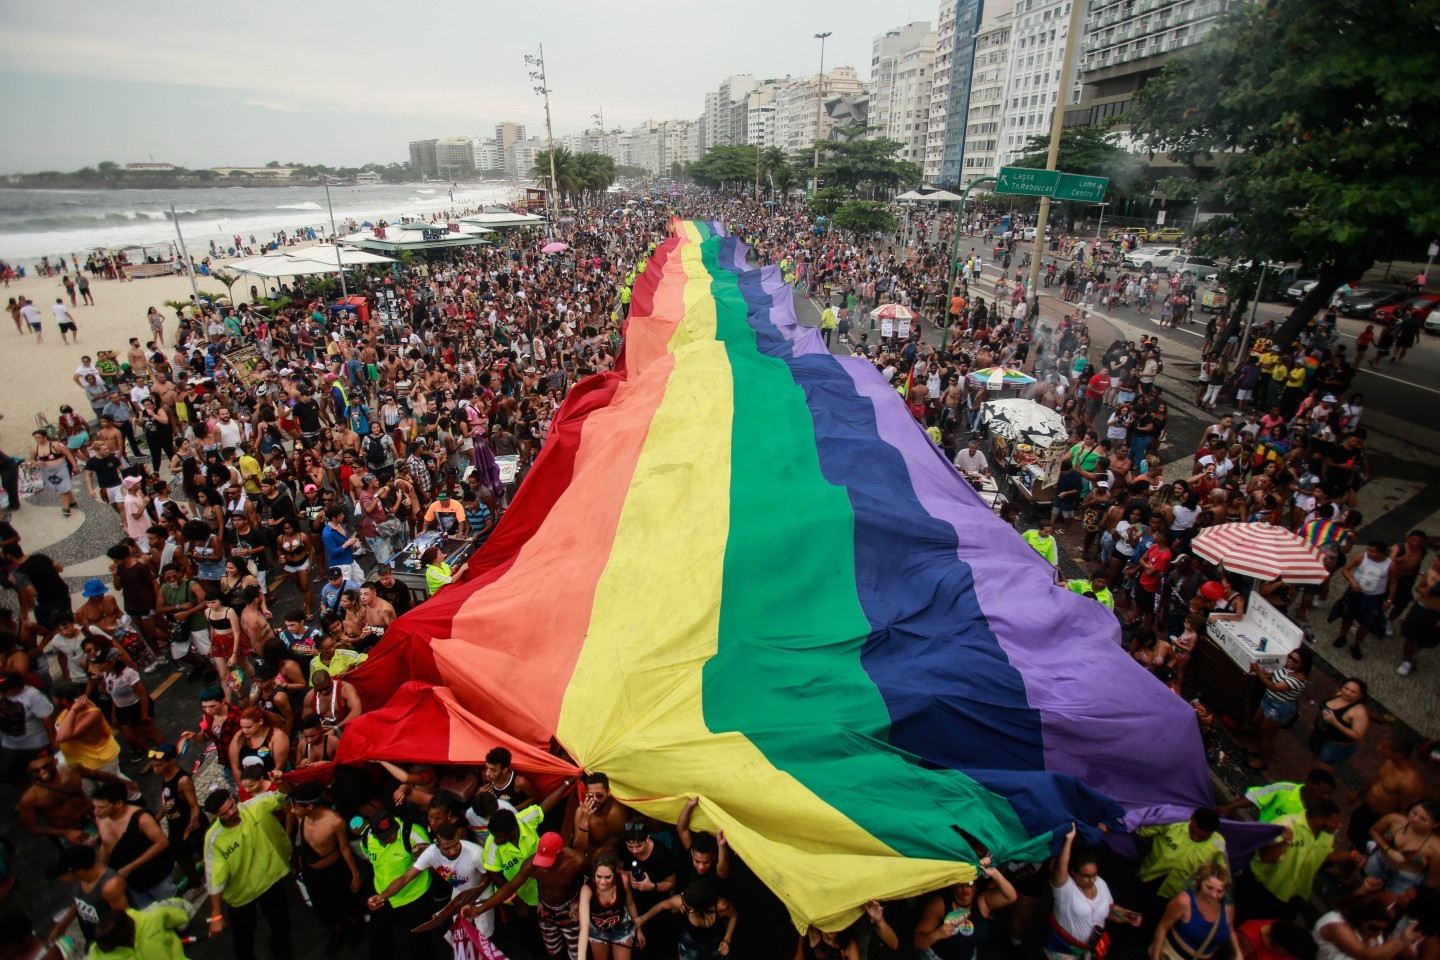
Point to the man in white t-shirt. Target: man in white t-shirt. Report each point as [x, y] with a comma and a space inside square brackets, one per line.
[26, 722]
[459, 864]
[31, 316]
[971, 460]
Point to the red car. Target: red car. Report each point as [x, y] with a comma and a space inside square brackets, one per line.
[1421, 303]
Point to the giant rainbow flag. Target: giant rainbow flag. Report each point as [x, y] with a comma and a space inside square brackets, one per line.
[741, 571]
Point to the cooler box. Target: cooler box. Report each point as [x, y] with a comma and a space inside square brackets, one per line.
[1241, 639]
[357, 305]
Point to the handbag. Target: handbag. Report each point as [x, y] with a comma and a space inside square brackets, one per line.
[390, 528]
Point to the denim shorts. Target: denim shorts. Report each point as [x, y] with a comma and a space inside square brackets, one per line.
[1277, 710]
[1335, 753]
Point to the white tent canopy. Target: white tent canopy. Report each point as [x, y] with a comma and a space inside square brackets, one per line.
[304, 262]
[498, 218]
[941, 196]
[411, 236]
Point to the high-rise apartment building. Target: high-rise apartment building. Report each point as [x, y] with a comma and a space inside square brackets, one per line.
[965, 23]
[489, 155]
[508, 133]
[760, 109]
[959, 22]
[800, 119]
[902, 68]
[985, 115]
[1037, 51]
[1124, 45]
[422, 159]
[717, 124]
[454, 157]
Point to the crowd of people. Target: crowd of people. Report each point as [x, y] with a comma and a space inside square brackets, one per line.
[278, 515]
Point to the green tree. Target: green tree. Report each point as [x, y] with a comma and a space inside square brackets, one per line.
[566, 179]
[865, 166]
[1320, 117]
[725, 166]
[864, 217]
[827, 201]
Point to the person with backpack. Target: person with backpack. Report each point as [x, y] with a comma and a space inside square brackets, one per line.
[378, 449]
[390, 844]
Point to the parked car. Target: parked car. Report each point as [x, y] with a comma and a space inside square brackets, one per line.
[1203, 267]
[1422, 305]
[1152, 258]
[1432, 322]
[1300, 288]
[1363, 301]
[1168, 234]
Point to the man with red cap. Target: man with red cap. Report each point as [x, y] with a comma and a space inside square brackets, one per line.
[558, 872]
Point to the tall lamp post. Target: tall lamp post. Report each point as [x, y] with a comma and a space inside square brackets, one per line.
[819, 112]
[335, 238]
[538, 61]
[189, 270]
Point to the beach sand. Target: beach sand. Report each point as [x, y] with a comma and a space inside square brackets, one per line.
[37, 377]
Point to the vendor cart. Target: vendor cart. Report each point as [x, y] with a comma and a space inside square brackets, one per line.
[411, 572]
[1221, 670]
[1027, 443]
[1214, 299]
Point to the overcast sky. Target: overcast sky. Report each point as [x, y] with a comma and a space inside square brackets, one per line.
[205, 84]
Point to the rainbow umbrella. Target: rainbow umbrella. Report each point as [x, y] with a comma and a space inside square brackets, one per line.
[1001, 377]
[779, 600]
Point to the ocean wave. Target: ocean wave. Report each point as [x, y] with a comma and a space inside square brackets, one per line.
[64, 221]
[307, 205]
[424, 191]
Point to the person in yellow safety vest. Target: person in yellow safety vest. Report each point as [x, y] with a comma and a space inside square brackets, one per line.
[1043, 541]
[827, 323]
[630, 278]
[625, 296]
[641, 266]
[1096, 587]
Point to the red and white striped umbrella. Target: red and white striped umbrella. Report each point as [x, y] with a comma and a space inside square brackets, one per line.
[1262, 551]
[892, 311]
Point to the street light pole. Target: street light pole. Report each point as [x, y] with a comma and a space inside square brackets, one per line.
[189, 270]
[1057, 122]
[335, 238]
[1100, 227]
[539, 61]
[955, 255]
[819, 111]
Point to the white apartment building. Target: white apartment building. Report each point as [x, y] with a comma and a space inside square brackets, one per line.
[988, 82]
[1037, 50]
[717, 123]
[489, 155]
[902, 68]
[760, 113]
[939, 90]
[521, 156]
[796, 121]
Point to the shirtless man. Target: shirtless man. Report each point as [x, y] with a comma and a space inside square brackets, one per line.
[317, 743]
[327, 865]
[1394, 789]
[138, 358]
[558, 871]
[376, 613]
[600, 818]
[334, 701]
[1405, 560]
[55, 804]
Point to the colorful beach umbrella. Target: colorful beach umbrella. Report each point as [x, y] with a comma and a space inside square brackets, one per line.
[1262, 551]
[1001, 377]
[892, 311]
[780, 600]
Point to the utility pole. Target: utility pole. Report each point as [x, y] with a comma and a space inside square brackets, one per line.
[538, 61]
[335, 237]
[1057, 122]
[819, 111]
[189, 270]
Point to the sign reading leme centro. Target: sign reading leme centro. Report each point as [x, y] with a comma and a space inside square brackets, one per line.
[1075, 186]
[1027, 182]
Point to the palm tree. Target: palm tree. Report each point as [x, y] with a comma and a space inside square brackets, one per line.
[594, 172]
[565, 182]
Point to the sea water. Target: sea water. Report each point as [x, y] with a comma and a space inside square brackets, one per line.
[36, 223]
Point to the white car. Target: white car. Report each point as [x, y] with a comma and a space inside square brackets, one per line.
[1152, 258]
